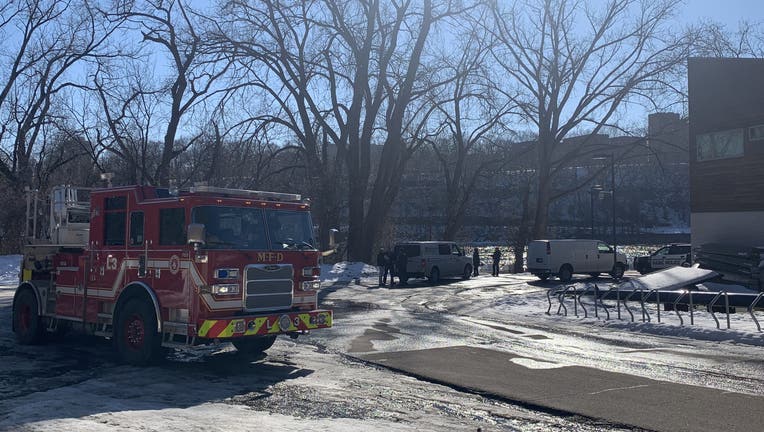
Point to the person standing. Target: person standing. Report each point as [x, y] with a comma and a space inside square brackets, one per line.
[393, 262]
[496, 258]
[383, 266]
[401, 264]
[475, 261]
[389, 264]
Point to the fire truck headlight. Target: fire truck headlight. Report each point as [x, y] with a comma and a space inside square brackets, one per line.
[311, 271]
[225, 289]
[311, 285]
[227, 273]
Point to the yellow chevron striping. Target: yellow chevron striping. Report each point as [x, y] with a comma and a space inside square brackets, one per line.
[206, 326]
[259, 322]
[305, 318]
[228, 331]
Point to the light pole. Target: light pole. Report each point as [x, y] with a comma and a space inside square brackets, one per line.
[594, 191]
[612, 197]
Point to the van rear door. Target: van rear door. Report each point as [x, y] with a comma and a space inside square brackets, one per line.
[538, 255]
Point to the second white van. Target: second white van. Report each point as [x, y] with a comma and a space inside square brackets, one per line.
[564, 258]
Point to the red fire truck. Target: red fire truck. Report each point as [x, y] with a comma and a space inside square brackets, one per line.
[151, 267]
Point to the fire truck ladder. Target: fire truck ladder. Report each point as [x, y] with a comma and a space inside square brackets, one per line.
[30, 227]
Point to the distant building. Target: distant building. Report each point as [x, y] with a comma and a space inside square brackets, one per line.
[726, 107]
[667, 138]
[652, 190]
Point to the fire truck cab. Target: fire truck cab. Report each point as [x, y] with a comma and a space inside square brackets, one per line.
[151, 267]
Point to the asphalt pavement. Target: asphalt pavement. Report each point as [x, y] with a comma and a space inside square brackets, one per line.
[618, 398]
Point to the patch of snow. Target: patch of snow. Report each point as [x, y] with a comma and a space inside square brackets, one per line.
[9, 269]
[347, 272]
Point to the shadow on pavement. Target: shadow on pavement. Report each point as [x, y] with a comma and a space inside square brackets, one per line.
[76, 376]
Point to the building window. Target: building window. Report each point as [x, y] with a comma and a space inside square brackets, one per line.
[720, 145]
[756, 133]
[172, 226]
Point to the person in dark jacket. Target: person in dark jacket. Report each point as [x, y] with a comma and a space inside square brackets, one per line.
[496, 258]
[390, 263]
[475, 261]
[400, 265]
[383, 264]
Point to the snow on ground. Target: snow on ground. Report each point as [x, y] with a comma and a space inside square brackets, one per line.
[523, 295]
[314, 382]
[508, 313]
[74, 384]
[345, 272]
[9, 269]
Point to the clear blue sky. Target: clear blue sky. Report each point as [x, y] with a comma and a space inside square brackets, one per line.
[729, 12]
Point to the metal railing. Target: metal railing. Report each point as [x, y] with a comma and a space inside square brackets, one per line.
[679, 299]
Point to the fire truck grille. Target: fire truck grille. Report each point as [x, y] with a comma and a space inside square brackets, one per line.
[268, 287]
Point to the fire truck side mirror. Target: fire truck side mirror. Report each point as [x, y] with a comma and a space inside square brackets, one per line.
[196, 234]
[332, 243]
[333, 238]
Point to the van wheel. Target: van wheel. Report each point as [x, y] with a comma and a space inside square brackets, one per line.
[618, 271]
[467, 272]
[434, 276]
[566, 273]
[136, 338]
[26, 319]
[254, 345]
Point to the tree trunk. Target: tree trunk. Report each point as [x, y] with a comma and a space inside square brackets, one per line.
[522, 231]
[544, 183]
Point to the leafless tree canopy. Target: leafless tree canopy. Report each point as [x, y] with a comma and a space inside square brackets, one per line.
[574, 65]
[333, 98]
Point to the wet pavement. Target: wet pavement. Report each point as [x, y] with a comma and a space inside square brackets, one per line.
[615, 397]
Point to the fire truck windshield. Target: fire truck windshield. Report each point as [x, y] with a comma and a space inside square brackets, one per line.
[290, 229]
[251, 228]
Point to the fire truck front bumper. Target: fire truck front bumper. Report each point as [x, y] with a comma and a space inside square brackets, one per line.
[260, 325]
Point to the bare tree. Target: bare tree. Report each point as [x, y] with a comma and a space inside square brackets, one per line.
[128, 109]
[249, 161]
[575, 65]
[380, 49]
[471, 116]
[279, 50]
[341, 74]
[55, 37]
[716, 40]
[175, 27]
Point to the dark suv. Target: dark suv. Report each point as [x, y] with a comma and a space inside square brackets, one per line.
[667, 256]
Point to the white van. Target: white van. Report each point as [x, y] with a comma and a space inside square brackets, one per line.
[563, 258]
[435, 260]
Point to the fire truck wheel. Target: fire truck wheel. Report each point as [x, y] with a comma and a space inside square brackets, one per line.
[137, 340]
[254, 346]
[26, 319]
